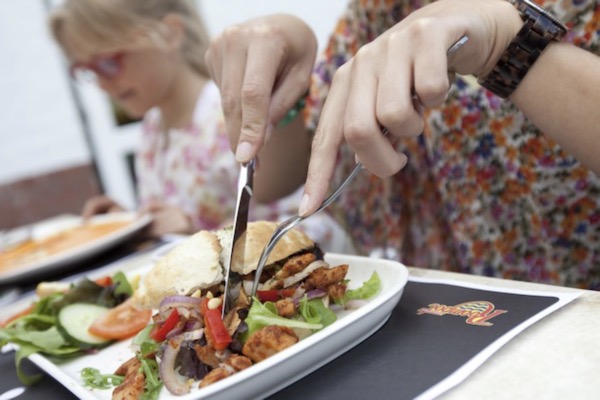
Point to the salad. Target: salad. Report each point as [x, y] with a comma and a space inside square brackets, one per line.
[72, 319]
[188, 343]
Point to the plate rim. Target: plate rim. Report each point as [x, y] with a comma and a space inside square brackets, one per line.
[64, 258]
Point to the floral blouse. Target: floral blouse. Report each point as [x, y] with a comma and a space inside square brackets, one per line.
[484, 191]
[195, 170]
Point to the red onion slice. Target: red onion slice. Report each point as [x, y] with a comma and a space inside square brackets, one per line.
[174, 382]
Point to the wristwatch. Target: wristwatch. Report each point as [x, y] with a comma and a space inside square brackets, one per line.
[540, 28]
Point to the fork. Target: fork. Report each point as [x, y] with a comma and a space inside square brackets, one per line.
[290, 223]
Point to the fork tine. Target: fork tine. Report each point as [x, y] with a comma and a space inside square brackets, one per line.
[279, 232]
[290, 223]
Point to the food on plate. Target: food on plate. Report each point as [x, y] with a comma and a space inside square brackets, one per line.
[70, 319]
[193, 264]
[258, 234]
[188, 344]
[35, 249]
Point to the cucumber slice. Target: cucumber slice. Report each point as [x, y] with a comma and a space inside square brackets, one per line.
[74, 321]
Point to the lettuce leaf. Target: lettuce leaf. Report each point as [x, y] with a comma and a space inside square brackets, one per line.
[368, 289]
[94, 379]
[315, 312]
[261, 315]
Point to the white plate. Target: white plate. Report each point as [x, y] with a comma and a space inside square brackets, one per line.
[278, 371]
[68, 257]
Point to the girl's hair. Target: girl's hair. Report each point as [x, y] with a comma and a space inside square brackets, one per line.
[118, 23]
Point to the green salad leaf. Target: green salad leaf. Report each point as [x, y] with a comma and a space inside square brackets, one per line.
[122, 285]
[92, 378]
[261, 315]
[37, 332]
[368, 289]
[153, 383]
[314, 311]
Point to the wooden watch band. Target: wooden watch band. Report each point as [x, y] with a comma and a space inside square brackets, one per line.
[538, 31]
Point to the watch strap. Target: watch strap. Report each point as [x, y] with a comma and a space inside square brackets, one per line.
[539, 29]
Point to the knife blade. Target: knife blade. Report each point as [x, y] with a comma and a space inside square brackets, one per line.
[238, 242]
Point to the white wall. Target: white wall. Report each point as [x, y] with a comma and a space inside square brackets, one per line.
[40, 128]
[321, 15]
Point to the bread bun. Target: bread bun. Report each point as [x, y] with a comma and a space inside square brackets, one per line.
[259, 233]
[193, 264]
[197, 262]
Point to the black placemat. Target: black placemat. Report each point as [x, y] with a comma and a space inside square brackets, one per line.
[416, 349]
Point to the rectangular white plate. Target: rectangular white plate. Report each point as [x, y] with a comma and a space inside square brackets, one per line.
[280, 370]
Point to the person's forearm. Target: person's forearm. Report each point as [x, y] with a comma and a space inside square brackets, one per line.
[561, 94]
[283, 162]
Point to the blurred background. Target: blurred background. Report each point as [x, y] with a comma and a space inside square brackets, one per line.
[62, 142]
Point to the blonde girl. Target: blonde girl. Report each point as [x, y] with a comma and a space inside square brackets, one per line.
[148, 56]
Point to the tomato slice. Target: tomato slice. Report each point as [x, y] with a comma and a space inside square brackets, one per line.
[215, 330]
[105, 281]
[121, 322]
[274, 295]
[18, 314]
[160, 334]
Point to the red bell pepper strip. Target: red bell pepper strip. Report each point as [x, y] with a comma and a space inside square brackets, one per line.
[274, 295]
[204, 305]
[215, 329]
[161, 333]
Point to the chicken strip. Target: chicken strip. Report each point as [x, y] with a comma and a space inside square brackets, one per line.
[133, 386]
[268, 341]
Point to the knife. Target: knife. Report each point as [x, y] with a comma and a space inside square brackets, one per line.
[238, 242]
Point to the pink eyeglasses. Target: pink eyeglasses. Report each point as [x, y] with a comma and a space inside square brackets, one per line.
[106, 66]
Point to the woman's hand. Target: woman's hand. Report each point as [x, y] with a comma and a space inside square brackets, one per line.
[387, 82]
[100, 205]
[166, 219]
[262, 68]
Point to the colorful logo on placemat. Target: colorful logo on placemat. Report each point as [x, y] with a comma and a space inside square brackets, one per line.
[477, 312]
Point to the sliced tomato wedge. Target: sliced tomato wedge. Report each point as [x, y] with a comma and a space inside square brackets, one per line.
[274, 295]
[160, 333]
[105, 281]
[215, 330]
[121, 322]
[18, 314]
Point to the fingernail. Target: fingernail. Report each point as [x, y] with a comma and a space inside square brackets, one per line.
[243, 152]
[304, 203]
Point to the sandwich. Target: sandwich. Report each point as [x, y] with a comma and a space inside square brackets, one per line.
[194, 264]
[199, 263]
